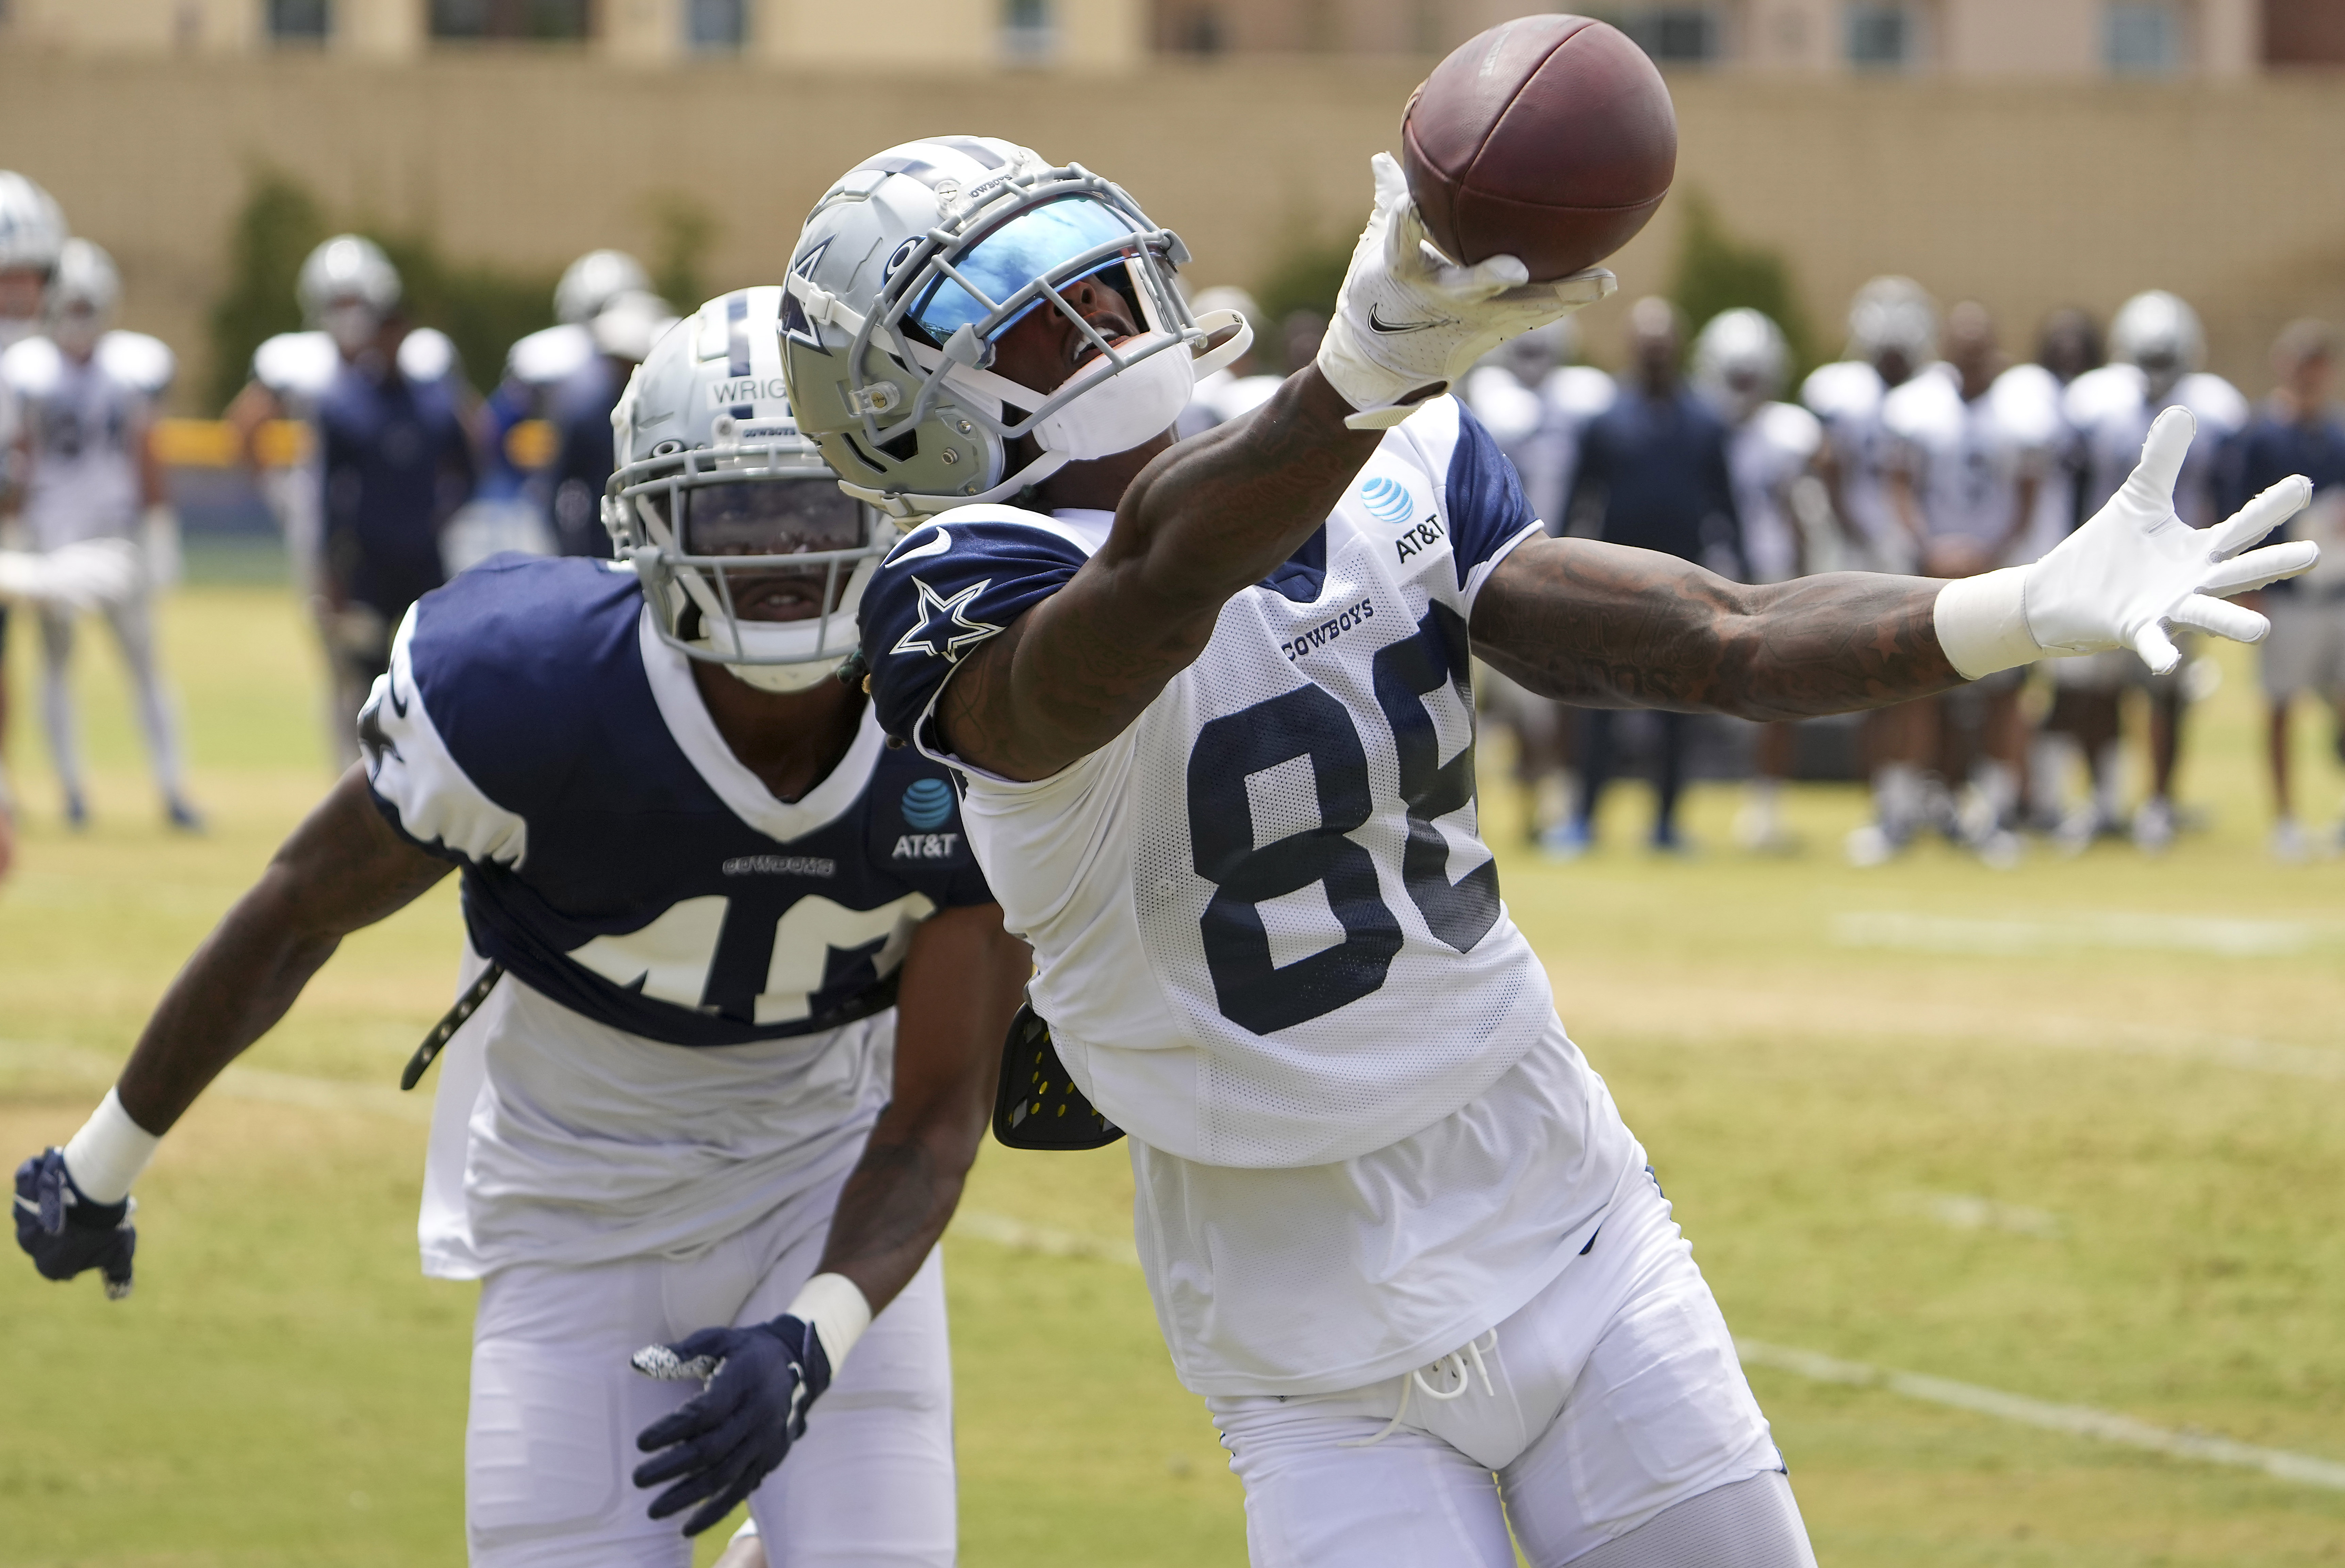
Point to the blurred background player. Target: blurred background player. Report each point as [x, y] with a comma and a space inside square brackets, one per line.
[1963, 479]
[86, 576]
[513, 506]
[1654, 470]
[620, 332]
[348, 291]
[2297, 431]
[1740, 363]
[2157, 346]
[1892, 334]
[1534, 401]
[394, 464]
[32, 232]
[2080, 732]
[84, 398]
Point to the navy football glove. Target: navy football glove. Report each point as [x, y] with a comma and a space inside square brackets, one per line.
[65, 1233]
[758, 1383]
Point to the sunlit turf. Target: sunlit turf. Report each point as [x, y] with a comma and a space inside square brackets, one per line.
[284, 1390]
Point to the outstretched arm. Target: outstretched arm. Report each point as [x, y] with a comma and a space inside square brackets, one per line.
[1607, 626]
[342, 869]
[1222, 510]
[1204, 519]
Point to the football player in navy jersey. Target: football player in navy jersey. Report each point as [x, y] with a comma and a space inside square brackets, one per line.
[1211, 703]
[736, 990]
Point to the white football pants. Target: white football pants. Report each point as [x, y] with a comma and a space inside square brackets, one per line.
[133, 622]
[1611, 1400]
[550, 1447]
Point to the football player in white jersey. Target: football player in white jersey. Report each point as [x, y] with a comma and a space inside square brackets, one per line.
[732, 1004]
[1972, 449]
[1740, 363]
[1892, 334]
[32, 232]
[2156, 348]
[1212, 705]
[84, 397]
[92, 575]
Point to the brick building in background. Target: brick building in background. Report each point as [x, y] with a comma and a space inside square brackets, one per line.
[1966, 38]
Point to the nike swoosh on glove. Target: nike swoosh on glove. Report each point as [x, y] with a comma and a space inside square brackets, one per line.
[67, 1234]
[1409, 322]
[757, 1383]
[2130, 573]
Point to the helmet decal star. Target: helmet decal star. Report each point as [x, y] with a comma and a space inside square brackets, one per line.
[944, 630]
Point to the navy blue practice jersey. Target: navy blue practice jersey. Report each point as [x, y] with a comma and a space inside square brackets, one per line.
[617, 855]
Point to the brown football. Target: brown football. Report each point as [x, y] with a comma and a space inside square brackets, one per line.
[1549, 137]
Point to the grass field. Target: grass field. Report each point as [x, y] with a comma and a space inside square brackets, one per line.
[2071, 1130]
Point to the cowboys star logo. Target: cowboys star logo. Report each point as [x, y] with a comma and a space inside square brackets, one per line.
[943, 630]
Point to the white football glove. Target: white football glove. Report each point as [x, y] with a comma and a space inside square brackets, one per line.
[83, 577]
[2133, 570]
[1409, 320]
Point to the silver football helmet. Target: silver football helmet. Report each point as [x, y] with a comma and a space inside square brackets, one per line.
[32, 226]
[593, 281]
[348, 287]
[1740, 361]
[910, 267]
[1893, 315]
[750, 555]
[82, 296]
[2158, 332]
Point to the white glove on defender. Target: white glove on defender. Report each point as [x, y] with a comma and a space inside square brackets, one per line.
[1410, 320]
[2122, 578]
[77, 577]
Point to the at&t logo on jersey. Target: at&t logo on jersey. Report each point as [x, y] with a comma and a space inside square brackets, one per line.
[1422, 537]
[928, 803]
[1387, 500]
[926, 847]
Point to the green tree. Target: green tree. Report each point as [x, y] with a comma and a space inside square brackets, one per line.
[1716, 272]
[684, 232]
[1305, 277]
[482, 307]
[279, 224]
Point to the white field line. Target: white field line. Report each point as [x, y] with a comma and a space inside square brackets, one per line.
[2104, 930]
[238, 1082]
[2078, 1421]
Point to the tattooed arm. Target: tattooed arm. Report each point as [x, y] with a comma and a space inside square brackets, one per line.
[1201, 522]
[1607, 626]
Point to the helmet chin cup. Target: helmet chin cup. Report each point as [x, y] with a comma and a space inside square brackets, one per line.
[1120, 409]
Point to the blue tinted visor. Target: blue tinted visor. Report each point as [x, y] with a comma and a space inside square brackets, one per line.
[1011, 256]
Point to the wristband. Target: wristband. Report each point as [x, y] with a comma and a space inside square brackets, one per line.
[834, 1307]
[1982, 623]
[106, 1157]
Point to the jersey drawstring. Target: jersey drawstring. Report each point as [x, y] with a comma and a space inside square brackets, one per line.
[1455, 1369]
